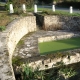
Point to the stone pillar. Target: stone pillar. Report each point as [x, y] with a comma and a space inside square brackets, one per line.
[53, 8]
[71, 9]
[24, 8]
[11, 8]
[35, 8]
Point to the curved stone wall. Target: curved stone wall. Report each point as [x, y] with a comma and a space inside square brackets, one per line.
[18, 29]
[8, 41]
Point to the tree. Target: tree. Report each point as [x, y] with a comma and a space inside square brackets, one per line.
[29, 3]
[46, 1]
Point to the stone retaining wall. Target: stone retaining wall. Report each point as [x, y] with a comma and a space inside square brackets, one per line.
[8, 41]
[55, 22]
[47, 62]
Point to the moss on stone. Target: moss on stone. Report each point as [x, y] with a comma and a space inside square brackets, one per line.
[17, 61]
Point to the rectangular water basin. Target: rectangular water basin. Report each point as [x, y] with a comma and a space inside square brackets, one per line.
[59, 45]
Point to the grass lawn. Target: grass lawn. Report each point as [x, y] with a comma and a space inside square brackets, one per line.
[59, 45]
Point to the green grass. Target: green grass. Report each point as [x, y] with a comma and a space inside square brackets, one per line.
[59, 45]
[46, 11]
[58, 12]
[39, 9]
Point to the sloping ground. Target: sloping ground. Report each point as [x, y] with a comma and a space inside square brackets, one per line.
[59, 45]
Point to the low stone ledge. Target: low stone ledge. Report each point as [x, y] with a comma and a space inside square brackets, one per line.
[52, 63]
[52, 38]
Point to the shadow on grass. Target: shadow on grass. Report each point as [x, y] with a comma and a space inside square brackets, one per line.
[2, 8]
[72, 41]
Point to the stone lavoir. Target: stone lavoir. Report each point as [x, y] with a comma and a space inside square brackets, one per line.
[30, 49]
[12, 35]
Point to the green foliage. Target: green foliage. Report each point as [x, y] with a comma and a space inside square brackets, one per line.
[18, 3]
[68, 3]
[7, 6]
[27, 73]
[29, 3]
[50, 74]
[67, 72]
[30, 9]
[16, 61]
[59, 64]
[46, 1]
[2, 28]
[39, 75]
[20, 43]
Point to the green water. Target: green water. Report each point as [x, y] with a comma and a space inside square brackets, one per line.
[59, 45]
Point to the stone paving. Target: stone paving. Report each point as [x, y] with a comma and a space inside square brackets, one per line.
[30, 46]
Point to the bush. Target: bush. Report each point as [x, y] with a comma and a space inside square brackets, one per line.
[28, 73]
[7, 6]
[67, 72]
[46, 1]
[17, 4]
[2, 28]
[69, 3]
[29, 3]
